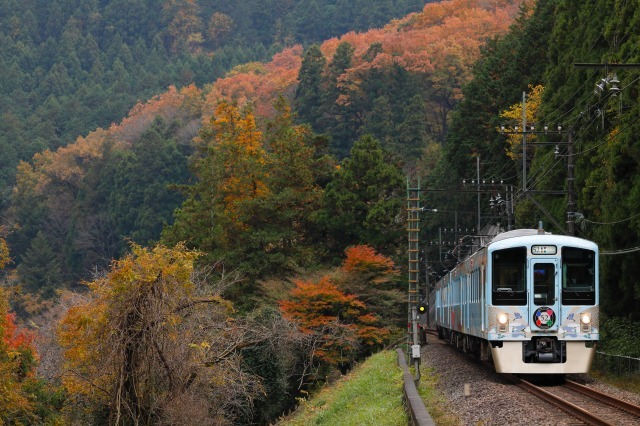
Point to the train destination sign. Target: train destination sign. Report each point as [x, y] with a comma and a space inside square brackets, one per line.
[544, 249]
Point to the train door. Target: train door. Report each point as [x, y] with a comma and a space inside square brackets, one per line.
[544, 294]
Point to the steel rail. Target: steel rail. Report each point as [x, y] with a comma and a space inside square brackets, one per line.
[563, 405]
[609, 400]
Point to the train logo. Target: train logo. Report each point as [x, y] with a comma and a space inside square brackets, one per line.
[544, 317]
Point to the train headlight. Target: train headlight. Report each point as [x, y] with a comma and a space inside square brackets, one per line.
[503, 321]
[585, 322]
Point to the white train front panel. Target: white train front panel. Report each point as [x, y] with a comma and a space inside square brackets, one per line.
[529, 299]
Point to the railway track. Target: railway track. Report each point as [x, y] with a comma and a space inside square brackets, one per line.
[579, 402]
[585, 404]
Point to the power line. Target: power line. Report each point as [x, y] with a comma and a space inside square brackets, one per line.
[609, 139]
[623, 251]
[611, 223]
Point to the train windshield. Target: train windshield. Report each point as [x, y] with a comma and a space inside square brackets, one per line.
[544, 287]
[578, 276]
[508, 278]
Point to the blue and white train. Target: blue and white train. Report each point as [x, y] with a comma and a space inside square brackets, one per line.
[528, 301]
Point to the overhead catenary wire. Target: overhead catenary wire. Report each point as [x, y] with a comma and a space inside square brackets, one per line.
[615, 252]
[579, 102]
[619, 39]
[611, 223]
[611, 138]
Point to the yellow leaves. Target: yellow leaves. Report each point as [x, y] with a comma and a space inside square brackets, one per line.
[203, 348]
[173, 319]
[612, 138]
[513, 115]
[219, 25]
[248, 68]
[238, 161]
[238, 129]
[4, 252]
[143, 291]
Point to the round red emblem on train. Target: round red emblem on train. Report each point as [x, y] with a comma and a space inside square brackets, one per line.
[544, 317]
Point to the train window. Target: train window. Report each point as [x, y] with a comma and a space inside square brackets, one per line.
[508, 276]
[578, 276]
[544, 284]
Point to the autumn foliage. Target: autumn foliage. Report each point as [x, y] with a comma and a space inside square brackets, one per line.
[340, 322]
[446, 36]
[363, 258]
[513, 116]
[17, 368]
[150, 339]
[19, 388]
[373, 279]
[259, 84]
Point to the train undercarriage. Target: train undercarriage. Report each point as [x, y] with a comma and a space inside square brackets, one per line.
[540, 355]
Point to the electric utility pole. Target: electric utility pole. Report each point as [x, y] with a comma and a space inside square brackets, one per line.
[413, 229]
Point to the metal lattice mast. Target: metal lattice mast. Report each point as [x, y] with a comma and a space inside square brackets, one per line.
[413, 229]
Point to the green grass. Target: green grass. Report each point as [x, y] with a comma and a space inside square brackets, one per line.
[371, 394]
[629, 383]
[434, 401]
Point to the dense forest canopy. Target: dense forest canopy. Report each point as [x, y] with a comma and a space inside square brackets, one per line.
[538, 57]
[68, 67]
[107, 186]
[223, 183]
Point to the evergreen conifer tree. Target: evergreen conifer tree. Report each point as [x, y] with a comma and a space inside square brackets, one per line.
[40, 269]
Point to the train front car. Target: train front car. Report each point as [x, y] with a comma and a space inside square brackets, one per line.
[541, 307]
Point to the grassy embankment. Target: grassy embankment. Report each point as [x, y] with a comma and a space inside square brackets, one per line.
[371, 394]
[435, 402]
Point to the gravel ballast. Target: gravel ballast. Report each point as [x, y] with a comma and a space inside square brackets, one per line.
[492, 399]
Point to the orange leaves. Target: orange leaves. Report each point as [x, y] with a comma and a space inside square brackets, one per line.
[185, 104]
[13, 338]
[339, 321]
[238, 158]
[315, 304]
[65, 169]
[364, 258]
[17, 367]
[422, 41]
[260, 85]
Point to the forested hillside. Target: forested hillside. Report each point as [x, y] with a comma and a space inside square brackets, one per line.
[87, 198]
[203, 212]
[68, 66]
[233, 240]
[539, 56]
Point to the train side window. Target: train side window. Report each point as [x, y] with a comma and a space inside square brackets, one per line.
[508, 276]
[578, 276]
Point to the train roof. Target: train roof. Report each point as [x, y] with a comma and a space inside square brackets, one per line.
[535, 236]
[518, 233]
